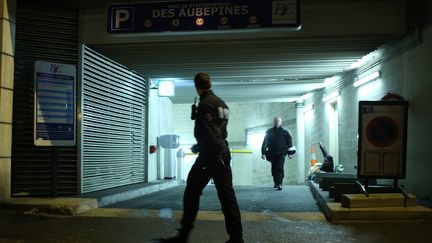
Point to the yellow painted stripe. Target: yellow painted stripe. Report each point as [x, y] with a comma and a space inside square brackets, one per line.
[234, 151]
[241, 151]
[204, 215]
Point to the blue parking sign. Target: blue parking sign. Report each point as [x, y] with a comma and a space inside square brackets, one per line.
[122, 18]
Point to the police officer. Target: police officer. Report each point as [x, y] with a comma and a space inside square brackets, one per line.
[211, 119]
[276, 145]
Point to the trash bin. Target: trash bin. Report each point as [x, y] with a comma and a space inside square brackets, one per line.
[169, 143]
[180, 158]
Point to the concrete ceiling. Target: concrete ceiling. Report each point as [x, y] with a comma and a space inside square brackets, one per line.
[262, 66]
[261, 69]
[270, 69]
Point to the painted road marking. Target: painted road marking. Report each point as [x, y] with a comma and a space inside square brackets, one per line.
[204, 215]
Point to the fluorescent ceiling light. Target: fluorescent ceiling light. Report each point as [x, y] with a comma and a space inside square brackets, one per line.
[309, 107]
[166, 88]
[366, 79]
[330, 96]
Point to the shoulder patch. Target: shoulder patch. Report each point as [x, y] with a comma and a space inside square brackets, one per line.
[223, 113]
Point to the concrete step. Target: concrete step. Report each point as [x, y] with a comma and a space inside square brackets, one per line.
[327, 182]
[377, 200]
[343, 188]
[353, 188]
[335, 212]
[318, 176]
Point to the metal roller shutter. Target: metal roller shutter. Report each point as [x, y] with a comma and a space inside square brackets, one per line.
[49, 34]
[113, 123]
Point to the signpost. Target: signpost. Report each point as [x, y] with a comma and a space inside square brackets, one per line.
[54, 110]
[382, 139]
[203, 15]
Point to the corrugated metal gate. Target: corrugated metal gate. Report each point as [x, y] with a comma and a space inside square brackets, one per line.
[114, 112]
[49, 34]
[113, 123]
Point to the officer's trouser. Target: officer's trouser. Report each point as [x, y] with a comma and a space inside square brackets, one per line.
[277, 168]
[199, 176]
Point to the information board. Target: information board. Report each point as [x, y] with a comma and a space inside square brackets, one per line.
[202, 15]
[54, 104]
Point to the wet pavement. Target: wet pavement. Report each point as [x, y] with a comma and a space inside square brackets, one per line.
[268, 215]
[250, 199]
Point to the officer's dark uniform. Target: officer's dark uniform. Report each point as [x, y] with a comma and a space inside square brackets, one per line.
[211, 119]
[275, 146]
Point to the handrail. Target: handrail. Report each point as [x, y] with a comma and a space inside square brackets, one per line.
[406, 196]
[362, 188]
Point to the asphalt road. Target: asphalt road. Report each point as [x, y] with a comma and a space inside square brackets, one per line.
[267, 216]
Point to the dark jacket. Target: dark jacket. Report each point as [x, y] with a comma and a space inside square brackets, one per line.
[211, 125]
[328, 165]
[276, 142]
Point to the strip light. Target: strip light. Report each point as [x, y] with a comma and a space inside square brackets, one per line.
[330, 96]
[366, 79]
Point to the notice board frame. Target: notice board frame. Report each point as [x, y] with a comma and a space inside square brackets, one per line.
[54, 104]
[382, 129]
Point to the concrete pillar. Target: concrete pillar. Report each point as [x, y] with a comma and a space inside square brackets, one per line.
[300, 144]
[7, 48]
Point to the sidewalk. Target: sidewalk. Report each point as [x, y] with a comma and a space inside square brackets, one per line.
[74, 205]
[250, 198]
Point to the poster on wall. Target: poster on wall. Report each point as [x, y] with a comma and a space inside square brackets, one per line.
[54, 104]
[382, 139]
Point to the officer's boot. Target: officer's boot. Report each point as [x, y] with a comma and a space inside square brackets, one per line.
[235, 241]
[181, 237]
[279, 187]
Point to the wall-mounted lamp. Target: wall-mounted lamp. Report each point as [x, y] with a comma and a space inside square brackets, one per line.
[331, 96]
[307, 108]
[366, 79]
[166, 88]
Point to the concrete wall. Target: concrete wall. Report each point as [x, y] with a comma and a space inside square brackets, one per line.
[248, 169]
[407, 74]
[7, 48]
[94, 29]
[416, 85]
[160, 120]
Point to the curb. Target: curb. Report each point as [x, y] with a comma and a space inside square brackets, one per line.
[86, 202]
[61, 206]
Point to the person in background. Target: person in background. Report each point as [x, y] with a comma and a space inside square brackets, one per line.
[276, 145]
[327, 165]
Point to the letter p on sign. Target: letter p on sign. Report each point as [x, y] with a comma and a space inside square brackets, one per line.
[122, 18]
